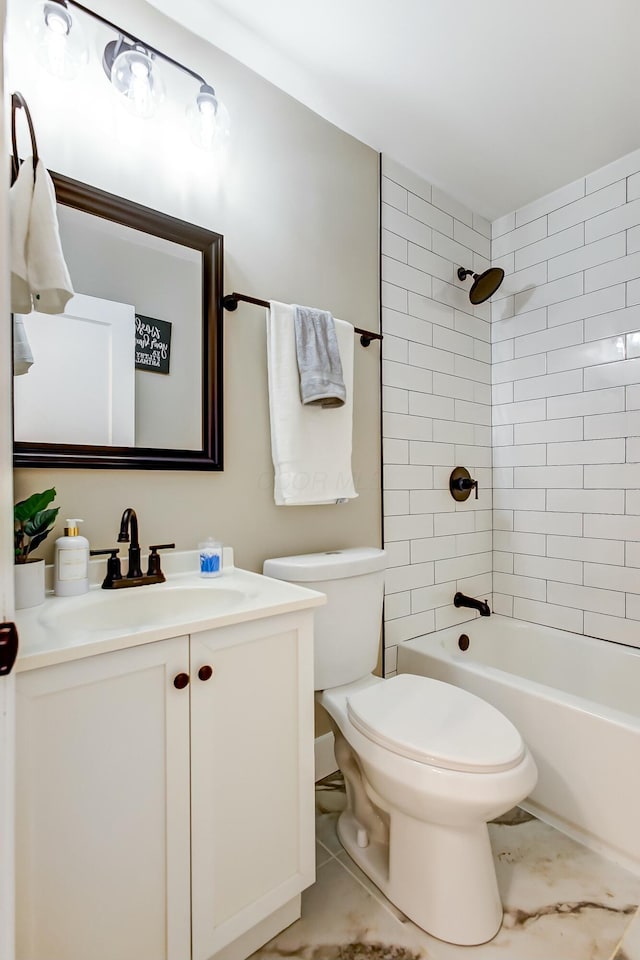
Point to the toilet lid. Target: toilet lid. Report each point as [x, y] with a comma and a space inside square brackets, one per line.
[436, 723]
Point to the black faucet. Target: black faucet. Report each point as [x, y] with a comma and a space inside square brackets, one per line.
[128, 522]
[135, 577]
[460, 600]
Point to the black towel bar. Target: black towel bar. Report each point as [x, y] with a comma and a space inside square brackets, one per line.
[230, 302]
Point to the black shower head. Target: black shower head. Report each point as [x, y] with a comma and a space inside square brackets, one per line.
[484, 284]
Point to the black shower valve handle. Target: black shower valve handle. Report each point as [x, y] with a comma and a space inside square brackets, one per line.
[463, 483]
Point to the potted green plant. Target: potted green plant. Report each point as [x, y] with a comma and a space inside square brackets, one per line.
[33, 521]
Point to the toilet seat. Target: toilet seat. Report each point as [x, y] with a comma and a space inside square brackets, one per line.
[437, 724]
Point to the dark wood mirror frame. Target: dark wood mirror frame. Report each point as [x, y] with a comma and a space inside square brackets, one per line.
[89, 199]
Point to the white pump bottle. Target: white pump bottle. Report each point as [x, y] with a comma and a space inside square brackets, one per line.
[71, 570]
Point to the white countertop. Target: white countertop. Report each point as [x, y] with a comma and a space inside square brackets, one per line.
[68, 628]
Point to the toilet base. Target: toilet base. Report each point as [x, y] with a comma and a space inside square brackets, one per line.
[442, 878]
[372, 859]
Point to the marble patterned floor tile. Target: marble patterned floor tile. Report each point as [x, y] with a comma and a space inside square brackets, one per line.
[342, 921]
[377, 894]
[562, 902]
[629, 949]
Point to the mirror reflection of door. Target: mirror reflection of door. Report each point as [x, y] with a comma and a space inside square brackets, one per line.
[81, 386]
[162, 280]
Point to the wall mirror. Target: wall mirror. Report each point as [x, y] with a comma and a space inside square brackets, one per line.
[130, 375]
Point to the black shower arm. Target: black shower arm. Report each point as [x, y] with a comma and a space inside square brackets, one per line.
[463, 274]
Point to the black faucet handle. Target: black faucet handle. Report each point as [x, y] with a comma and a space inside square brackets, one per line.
[154, 569]
[114, 570]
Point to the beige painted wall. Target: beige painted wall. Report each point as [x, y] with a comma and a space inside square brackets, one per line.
[298, 206]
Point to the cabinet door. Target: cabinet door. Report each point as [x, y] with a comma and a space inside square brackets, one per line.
[251, 775]
[103, 807]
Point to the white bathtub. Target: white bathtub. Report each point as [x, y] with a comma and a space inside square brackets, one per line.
[576, 702]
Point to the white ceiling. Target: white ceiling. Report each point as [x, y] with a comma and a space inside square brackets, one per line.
[496, 101]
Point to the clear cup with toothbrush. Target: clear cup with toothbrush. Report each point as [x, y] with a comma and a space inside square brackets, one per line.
[210, 557]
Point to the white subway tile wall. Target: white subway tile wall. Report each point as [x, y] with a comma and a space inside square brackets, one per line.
[436, 376]
[565, 414]
[543, 384]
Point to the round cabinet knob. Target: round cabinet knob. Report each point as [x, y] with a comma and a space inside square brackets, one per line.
[206, 672]
[181, 681]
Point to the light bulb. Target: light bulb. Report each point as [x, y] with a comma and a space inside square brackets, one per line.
[135, 75]
[61, 46]
[57, 19]
[208, 119]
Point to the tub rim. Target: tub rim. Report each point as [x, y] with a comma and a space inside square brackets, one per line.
[506, 678]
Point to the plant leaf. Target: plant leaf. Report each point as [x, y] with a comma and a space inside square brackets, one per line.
[27, 509]
[41, 522]
[36, 541]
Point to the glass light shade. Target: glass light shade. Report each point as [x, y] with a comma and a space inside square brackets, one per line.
[135, 75]
[209, 122]
[60, 42]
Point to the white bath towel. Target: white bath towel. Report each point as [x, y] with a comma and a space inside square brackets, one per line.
[310, 447]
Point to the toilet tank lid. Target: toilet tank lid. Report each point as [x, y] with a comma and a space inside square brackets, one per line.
[331, 565]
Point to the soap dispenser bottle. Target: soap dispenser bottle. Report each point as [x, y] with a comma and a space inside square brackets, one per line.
[71, 568]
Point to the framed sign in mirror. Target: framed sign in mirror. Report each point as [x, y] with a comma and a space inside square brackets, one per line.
[130, 375]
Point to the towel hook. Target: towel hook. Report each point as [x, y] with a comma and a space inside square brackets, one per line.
[17, 102]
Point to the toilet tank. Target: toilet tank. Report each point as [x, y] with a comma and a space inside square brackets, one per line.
[347, 629]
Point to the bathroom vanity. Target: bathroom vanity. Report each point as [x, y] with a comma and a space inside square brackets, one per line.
[164, 769]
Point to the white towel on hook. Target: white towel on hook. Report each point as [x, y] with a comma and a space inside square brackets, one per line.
[39, 274]
[310, 446]
[20, 197]
[22, 355]
[48, 274]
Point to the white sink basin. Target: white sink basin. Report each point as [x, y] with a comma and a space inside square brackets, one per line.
[134, 608]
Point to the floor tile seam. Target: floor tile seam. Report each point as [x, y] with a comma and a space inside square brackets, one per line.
[327, 849]
[382, 900]
[620, 944]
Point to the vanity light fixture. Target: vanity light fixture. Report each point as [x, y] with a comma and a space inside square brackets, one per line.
[130, 63]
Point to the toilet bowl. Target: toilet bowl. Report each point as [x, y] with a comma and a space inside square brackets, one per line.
[426, 764]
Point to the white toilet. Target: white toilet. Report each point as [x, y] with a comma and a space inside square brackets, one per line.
[426, 764]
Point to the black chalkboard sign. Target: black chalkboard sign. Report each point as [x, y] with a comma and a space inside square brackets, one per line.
[153, 344]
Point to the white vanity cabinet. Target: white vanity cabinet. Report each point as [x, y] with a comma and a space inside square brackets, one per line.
[162, 822]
